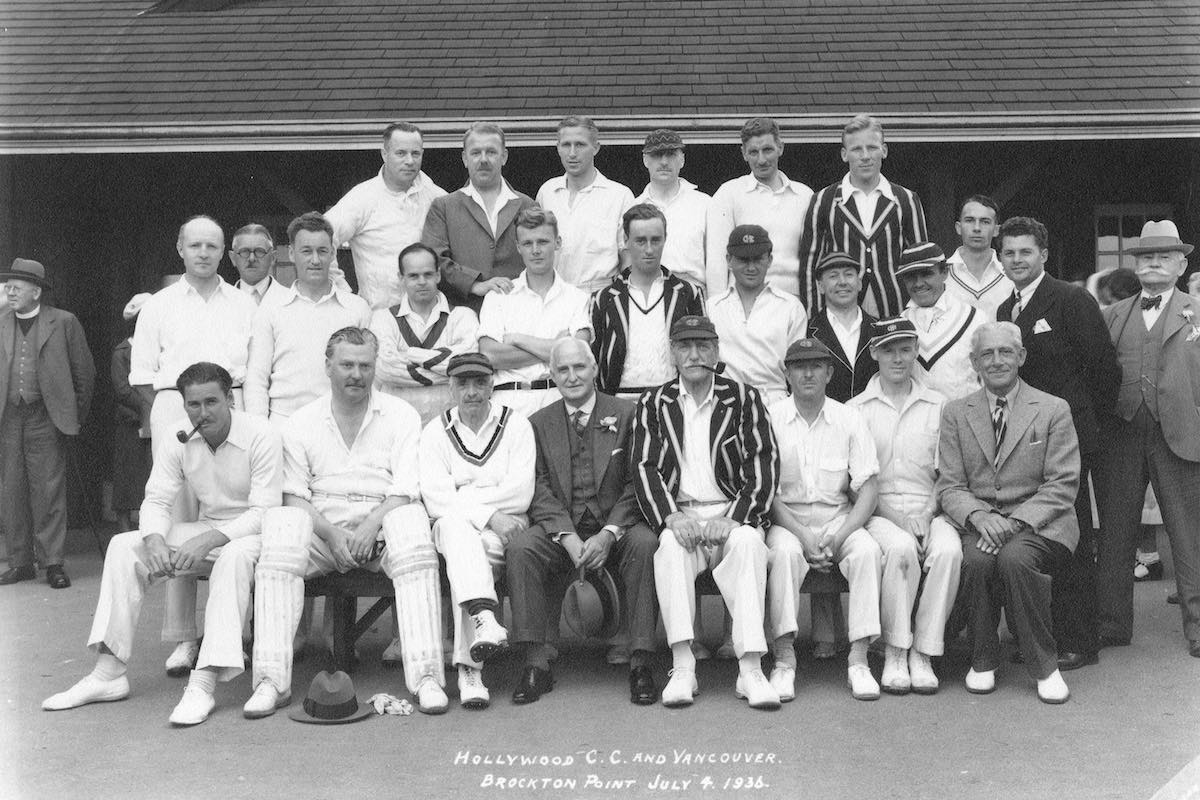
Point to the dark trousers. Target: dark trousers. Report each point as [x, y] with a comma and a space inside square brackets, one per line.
[536, 564]
[1017, 579]
[33, 489]
[1139, 455]
[1074, 586]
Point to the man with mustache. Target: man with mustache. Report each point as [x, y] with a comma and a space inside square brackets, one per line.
[1154, 435]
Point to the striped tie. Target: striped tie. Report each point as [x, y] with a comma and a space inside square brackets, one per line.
[1016, 312]
[999, 424]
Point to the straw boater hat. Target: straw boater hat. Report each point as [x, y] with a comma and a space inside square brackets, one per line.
[1160, 237]
[23, 269]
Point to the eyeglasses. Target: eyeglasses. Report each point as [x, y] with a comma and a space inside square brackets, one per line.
[257, 252]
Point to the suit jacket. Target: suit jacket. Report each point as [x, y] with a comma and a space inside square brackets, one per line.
[458, 232]
[1178, 383]
[609, 311]
[1038, 476]
[833, 225]
[128, 407]
[66, 372]
[1069, 354]
[846, 381]
[743, 451]
[551, 506]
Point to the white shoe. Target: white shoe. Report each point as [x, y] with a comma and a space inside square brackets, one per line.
[89, 689]
[783, 681]
[895, 679]
[264, 701]
[183, 659]
[862, 684]
[726, 652]
[393, 657]
[980, 682]
[681, 689]
[755, 688]
[700, 651]
[1053, 689]
[193, 708]
[920, 673]
[471, 691]
[431, 698]
[490, 636]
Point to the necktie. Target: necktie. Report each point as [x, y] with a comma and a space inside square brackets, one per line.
[1151, 302]
[1016, 312]
[579, 422]
[999, 423]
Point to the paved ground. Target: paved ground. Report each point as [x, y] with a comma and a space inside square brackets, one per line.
[1132, 723]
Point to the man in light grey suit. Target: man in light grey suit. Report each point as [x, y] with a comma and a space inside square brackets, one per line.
[1154, 435]
[46, 377]
[1009, 463]
[473, 230]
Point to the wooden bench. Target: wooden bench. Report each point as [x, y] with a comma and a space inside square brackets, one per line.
[342, 591]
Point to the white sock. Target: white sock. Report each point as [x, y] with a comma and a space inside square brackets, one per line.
[858, 652]
[785, 650]
[203, 679]
[681, 656]
[750, 662]
[108, 667]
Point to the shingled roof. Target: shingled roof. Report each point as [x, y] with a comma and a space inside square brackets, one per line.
[103, 74]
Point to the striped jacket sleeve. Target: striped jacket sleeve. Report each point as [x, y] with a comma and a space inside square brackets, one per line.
[648, 455]
[814, 243]
[759, 474]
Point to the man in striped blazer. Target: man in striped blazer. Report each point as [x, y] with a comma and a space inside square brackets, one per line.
[632, 316]
[705, 472]
[865, 215]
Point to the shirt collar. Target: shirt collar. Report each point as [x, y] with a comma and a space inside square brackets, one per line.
[684, 186]
[752, 184]
[506, 194]
[492, 417]
[1166, 296]
[956, 260]
[1028, 291]
[686, 396]
[884, 187]
[373, 408]
[187, 288]
[29, 314]
[439, 306]
[587, 408]
[334, 293]
[417, 184]
[1010, 397]
[920, 392]
[521, 284]
[241, 432]
[600, 182]
[259, 288]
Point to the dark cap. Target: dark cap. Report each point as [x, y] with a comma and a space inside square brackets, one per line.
[693, 326]
[662, 141]
[923, 255]
[888, 330]
[467, 365]
[831, 260]
[748, 241]
[24, 269]
[807, 350]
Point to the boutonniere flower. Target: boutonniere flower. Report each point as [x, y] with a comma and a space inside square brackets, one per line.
[1189, 317]
[608, 423]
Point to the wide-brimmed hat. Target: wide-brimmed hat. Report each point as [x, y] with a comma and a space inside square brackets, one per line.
[1159, 237]
[889, 330]
[924, 255]
[331, 701]
[592, 605]
[24, 269]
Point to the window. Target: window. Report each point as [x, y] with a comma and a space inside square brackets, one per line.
[1117, 229]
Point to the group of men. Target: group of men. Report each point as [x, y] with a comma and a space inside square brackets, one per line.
[536, 390]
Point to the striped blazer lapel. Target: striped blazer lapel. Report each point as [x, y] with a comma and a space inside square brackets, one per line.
[672, 414]
[724, 401]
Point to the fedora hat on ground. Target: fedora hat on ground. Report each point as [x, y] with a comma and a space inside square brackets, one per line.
[24, 269]
[331, 701]
[592, 605]
[1159, 237]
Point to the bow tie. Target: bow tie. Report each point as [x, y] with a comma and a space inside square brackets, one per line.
[1151, 302]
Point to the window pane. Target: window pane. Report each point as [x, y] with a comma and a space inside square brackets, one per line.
[1107, 226]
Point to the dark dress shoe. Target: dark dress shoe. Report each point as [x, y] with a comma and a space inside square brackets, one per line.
[1113, 641]
[25, 573]
[1173, 598]
[642, 690]
[534, 683]
[56, 577]
[1069, 661]
[1194, 648]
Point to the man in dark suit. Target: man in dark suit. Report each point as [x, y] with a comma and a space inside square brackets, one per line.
[473, 230]
[1154, 435]
[840, 322]
[46, 377]
[1068, 354]
[706, 468]
[584, 515]
[1009, 464]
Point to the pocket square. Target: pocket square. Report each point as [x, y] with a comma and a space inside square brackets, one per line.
[1041, 326]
